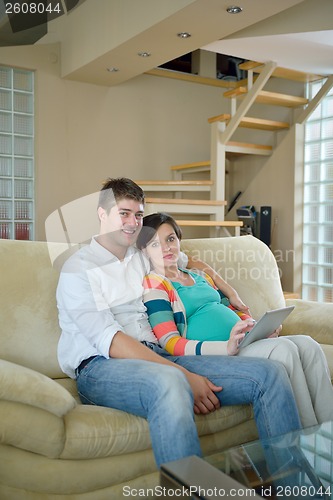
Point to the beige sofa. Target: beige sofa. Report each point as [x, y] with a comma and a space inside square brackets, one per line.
[51, 446]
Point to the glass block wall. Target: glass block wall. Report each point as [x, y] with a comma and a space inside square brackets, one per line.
[318, 202]
[16, 154]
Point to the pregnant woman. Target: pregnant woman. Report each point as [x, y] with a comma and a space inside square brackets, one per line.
[189, 315]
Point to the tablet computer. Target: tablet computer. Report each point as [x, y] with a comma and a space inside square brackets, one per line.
[266, 325]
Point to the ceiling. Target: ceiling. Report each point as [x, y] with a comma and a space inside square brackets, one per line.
[300, 38]
[97, 36]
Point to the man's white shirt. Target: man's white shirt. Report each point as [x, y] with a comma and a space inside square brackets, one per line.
[99, 295]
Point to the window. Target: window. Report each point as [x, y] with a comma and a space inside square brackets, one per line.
[16, 154]
[318, 201]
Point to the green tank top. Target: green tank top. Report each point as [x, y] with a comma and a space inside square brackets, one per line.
[207, 318]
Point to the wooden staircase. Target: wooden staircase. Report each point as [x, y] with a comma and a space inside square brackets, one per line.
[177, 186]
[254, 123]
[223, 126]
[178, 205]
[264, 97]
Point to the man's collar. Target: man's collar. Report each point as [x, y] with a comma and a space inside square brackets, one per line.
[105, 255]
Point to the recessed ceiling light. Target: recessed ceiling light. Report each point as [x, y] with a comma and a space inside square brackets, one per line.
[112, 70]
[234, 9]
[184, 34]
[144, 54]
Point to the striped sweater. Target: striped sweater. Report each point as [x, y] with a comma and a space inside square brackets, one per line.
[167, 316]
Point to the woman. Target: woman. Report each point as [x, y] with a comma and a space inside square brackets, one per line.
[188, 317]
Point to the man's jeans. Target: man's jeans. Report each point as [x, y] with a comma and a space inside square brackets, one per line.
[163, 396]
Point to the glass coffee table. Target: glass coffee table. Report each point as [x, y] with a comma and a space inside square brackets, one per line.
[297, 465]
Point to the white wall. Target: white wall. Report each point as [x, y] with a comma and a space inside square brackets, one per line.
[86, 133]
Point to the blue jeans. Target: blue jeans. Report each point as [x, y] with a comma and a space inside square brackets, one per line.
[162, 395]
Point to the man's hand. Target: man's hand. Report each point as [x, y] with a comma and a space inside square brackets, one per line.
[222, 285]
[238, 304]
[205, 399]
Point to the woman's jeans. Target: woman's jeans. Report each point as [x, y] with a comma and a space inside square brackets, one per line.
[163, 396]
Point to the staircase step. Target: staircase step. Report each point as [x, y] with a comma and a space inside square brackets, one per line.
[288, 74]
[185, 206]
[218, 224]
[210, 223]
[174, 186]
[254, 123]
[232, 147]
[277, 99]
[249, 149]
[202, 165]
[190, 77]
[183, 201]
[274, 98]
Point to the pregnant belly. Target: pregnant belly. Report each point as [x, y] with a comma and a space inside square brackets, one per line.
[211, 322]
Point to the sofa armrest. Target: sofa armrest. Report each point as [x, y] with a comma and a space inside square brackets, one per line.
[31, 429]
[310, 318]
[23, 385]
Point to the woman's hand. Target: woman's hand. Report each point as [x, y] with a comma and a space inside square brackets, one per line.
[237, 334]
[276, 333]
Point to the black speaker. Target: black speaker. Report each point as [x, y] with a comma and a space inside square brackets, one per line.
[265, 225]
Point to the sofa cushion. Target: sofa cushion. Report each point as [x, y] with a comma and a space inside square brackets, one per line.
[43, 479]
[70, 385]
[309, 318]
[225, 418]
[97, 432]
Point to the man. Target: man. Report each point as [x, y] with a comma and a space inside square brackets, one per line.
[108, 346]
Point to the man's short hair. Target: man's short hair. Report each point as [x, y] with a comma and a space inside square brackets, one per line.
[117, 189]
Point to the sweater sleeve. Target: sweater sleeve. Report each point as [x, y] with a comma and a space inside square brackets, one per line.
[167, 319]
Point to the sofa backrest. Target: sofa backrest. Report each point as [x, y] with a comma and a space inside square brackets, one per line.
[29, 326]
[29, 274]
[247, 264]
